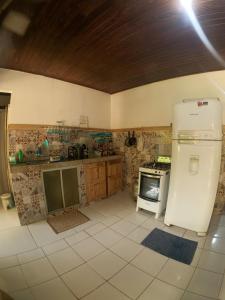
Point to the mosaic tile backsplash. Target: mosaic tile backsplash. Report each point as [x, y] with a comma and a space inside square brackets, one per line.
[150, 144]
[37, 143]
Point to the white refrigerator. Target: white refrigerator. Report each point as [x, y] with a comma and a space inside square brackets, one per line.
[195, 168]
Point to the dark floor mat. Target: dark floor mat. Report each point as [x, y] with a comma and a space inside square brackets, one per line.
[171, 245]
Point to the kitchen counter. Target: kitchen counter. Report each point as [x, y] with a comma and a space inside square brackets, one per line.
[28, 188]
[62, 163]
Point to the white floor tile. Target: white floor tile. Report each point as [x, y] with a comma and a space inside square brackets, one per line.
[196, 257]
[7, 262]
[65, 260]
[152, 223]
[191, 235]
[126, 249]
[38, 271]
[136, 218]
[123, 213]
[86, 225]
[176, 273]
[110, 220]
[8, 219]
[82, 280]
[139, 234]
[215, 244]
[174, 230]
[88, 248]
[212, 261]
[55, 246]
[124, 227]
[15, 240]
[106, 292]
[108, 237]
[205, 283]
[13, 279]
[191, 296]
[159, 290]
[149, 261]
[30, 255]
[77, 237]
[217, 231]
[108, 251]
[95, 228]
[23, 295]
[222, 291]
[107, 264]
[131, 281]
[43, 233]
[54, 289]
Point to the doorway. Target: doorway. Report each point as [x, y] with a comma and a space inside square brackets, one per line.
[8, 216]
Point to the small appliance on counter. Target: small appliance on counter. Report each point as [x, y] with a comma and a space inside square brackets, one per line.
[153, 185]
[72, 153]
[83, 152]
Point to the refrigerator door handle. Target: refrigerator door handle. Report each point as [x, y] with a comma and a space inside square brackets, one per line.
[190, 142]
[194, 164]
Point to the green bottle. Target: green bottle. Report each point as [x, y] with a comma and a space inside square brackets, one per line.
[20, 155]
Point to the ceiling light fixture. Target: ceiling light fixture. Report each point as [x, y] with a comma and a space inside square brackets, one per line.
[187, 5]
[16, 22]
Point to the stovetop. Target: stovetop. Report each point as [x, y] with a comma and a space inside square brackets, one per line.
[157, 166]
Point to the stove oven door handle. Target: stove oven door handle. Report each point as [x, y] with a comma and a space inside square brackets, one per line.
[150, 176]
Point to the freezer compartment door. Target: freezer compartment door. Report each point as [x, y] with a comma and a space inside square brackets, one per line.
[193, 183]
[198, 119]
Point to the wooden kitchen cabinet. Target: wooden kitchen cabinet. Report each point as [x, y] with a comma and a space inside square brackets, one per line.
[114, 176]
[103, 179]
[95, 175]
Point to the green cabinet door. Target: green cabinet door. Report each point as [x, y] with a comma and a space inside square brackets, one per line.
[70, 186]
[53, 190]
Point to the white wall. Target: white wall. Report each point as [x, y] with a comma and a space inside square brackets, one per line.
[42, 100]
[151, 104]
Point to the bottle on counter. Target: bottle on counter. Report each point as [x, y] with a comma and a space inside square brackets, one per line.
[20, 155]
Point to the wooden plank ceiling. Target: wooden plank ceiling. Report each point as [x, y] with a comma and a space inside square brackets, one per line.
[113, 45]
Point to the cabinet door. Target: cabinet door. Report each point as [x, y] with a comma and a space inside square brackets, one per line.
[53, 190]
[90, 190]
[101, 172]
[70, 186]
[91, 173]
[95, 175]
[114, 177]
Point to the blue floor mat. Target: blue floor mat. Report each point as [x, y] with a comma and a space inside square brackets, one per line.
[170, 245]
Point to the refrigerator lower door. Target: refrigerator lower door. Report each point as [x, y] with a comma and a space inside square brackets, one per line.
[193, 184]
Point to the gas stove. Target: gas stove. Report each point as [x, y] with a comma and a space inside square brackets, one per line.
[160, 167]
[153, 185]
[157, 166]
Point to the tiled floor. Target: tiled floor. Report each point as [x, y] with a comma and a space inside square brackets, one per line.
[9, 218]
[103, 259]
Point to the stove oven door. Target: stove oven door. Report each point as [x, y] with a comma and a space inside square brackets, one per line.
[149, 187]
